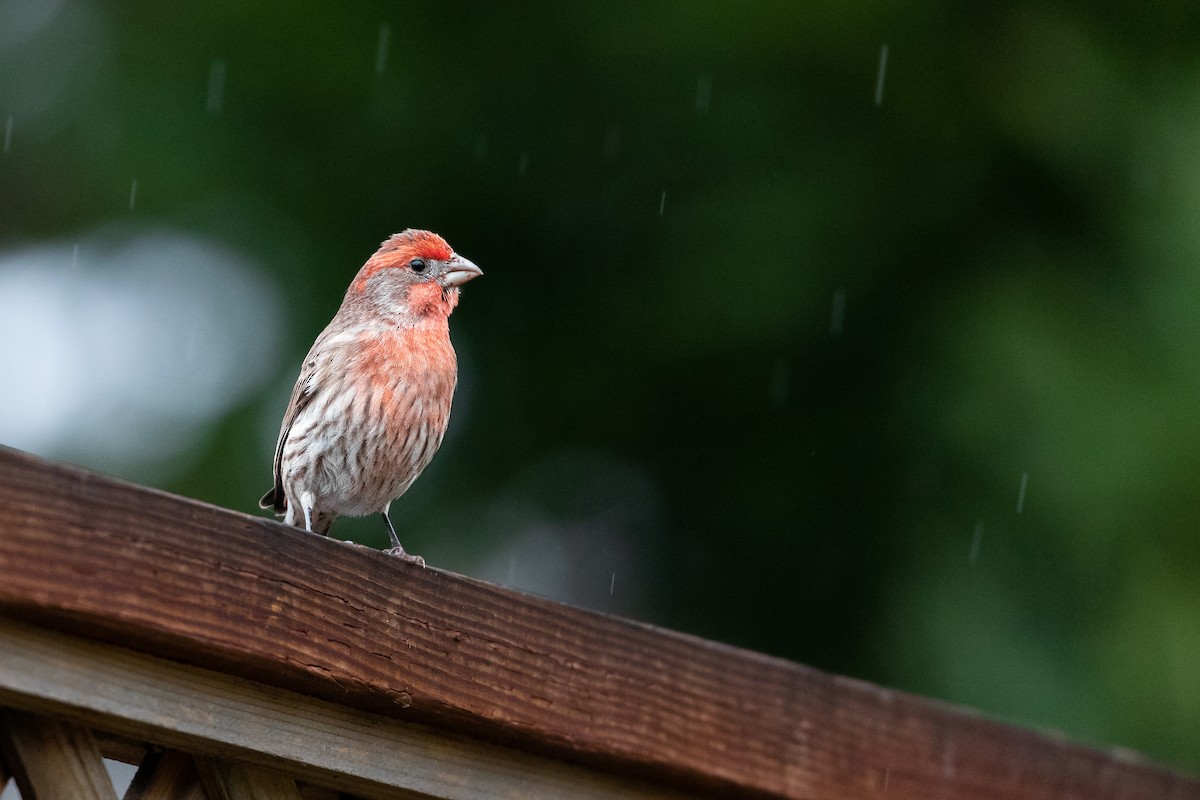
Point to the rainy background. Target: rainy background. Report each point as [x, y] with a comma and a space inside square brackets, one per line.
[864, 335]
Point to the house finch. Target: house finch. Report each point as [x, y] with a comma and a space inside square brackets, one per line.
[373, 398]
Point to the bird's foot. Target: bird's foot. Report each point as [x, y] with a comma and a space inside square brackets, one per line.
[399, 552]
[396, 549]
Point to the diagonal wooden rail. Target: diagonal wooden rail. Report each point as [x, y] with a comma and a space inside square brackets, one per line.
[441, 668]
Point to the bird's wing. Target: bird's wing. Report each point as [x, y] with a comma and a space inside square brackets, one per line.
[302, 394]
[307, 387]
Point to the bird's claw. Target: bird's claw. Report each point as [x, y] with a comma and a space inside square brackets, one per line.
[399, 552]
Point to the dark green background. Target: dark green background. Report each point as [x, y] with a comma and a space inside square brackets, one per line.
[656, 397]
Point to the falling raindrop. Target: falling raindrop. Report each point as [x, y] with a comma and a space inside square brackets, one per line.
[838, 314]
[481, 147]
[8, 123]
[948, 768]
[662, 203]
[612, 584]
[75, 257]
[703, 94]
[976, 541]
[132, 194]
[1021, 492]
[216, 87]
[381, 48]
[523, 165]
[883, 56]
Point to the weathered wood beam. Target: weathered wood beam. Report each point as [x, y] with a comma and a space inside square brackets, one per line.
[221, 717]
[249, 597]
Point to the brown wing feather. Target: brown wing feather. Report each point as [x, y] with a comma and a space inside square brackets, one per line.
[302, 394]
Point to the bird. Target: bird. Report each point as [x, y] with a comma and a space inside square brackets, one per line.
[372, 401]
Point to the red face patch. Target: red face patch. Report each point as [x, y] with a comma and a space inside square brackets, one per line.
[425, 299]
[423, 244]
[400, 250]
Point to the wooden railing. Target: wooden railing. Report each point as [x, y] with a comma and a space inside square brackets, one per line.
[230, 656]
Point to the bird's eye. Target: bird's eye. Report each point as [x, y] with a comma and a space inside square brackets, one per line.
[417, 265]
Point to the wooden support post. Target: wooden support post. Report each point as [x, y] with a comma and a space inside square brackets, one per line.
[53, 760]
[166, 775]
[223, 780]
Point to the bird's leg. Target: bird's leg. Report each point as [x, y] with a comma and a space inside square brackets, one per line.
[397, 549]
[392, 533]
[307, 501]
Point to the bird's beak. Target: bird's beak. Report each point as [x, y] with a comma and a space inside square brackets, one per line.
[458, 271]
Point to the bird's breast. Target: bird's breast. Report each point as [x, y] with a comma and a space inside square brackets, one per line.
[408, 352]
[409, 378]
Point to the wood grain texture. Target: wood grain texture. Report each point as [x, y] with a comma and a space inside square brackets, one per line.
[136, 697]
[250, 597]
[166, 775]
[232, 781]
[53, 760]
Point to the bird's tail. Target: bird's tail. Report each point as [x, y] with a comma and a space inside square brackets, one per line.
[277, 500]
[274, 499]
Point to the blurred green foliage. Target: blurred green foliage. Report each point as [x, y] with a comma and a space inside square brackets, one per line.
[804, 354]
